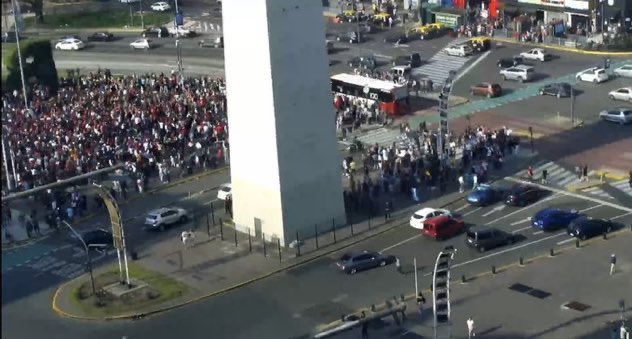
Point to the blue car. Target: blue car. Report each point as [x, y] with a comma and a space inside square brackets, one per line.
[484, 195]
[551, 219]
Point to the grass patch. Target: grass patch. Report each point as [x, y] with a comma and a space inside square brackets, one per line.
[161, 288]
[101, 19]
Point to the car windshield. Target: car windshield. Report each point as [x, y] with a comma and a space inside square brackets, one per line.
[417, 216]
[152, 216]
[226, 189]
[471, 234]
[346, 257]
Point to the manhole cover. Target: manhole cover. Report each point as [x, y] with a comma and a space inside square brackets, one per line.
[577, 306]
[520, 288]
[539, 293]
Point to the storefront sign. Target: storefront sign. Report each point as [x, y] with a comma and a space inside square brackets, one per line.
[556, 3]
[577, 4]
[533, 2]
[450, 20]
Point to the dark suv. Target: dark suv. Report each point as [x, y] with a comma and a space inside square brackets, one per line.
[413, 60]
[522, 195]
[584, 228]
[354, 262]
[155, 32]
[485, 238]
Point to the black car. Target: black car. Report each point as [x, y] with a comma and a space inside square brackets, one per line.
[156, 32]
[353, 262]
[352, 37]
[484, 238]
[510, 62]
[561, 89]
[101, 36]
[413, 60]
[366, 62]
[522, 195]
[98, 238]
[584, 228]
[396, 38]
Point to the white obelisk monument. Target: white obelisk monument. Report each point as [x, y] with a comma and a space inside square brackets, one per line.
[284, 163]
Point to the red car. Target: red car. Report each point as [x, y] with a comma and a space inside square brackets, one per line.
[442, 227]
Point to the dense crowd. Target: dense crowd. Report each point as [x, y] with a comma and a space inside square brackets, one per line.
[150, 122]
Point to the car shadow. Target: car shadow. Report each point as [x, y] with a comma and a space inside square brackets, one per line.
[539, 77]
[334, 62]
[339, 49]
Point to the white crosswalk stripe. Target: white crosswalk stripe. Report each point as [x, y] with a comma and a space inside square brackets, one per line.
[382, 136]
[622, 185]
[438, 67]
[598, 192]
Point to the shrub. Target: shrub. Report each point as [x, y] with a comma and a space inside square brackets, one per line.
[41, 69]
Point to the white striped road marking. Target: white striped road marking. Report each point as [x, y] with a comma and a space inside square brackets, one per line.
[400, 243]
[495, 209]
[569, 180]
[472, 211]
[520, 230]
[524, 208]
[622, 215]
[383, 56]
[211, 201]
[521, 221]
[339, 298]
[462, 208]
[565, 241]
[538, 232]
[590, 208]
[570, 194]
[470, 67]
[622, 185]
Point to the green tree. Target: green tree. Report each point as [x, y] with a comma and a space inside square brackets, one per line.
[37, 62]
[37, 6]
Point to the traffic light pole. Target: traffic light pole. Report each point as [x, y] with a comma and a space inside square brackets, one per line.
[442, 323]
[444, 96]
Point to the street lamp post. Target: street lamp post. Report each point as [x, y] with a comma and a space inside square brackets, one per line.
[88, 260]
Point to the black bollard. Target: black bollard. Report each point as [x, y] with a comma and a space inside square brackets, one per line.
[316, 234]
[521, 261]
[463, 280]
[279, 246]
[213, 214]
[333, 229]
[605, 236]
[351, 228]
[298, 245]
[208, 226]
[265, 251]
[577, 245]
[249, 241]
[372, 307]
[493, 269]
[402, 297]
[221, 229]
[551, 252]
[235, 229]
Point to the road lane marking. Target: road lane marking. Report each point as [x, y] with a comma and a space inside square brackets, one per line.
[565, 241]
[340, 298]
[495, 209]
[575, 195]
[401, 243]
[520, 230]
[211, 201]
[472, 211]
[538, 232]
[462, 208]
[500, 252]
[521, 221]
[524, 208]
[470, 67]
[622, 215]
[589, 208]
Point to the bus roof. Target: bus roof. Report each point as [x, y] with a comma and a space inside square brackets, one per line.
[365, 81]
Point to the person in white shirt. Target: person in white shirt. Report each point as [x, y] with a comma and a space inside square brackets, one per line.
[470, 328]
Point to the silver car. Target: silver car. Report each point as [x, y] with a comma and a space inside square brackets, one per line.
[164, 217]
[624, 71]
[521, 73]
[621, 115]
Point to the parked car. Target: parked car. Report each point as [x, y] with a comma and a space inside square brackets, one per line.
[160, 6]
[101, 36]
[442, 227]
[212, 43]
[412, 60]
[428, 32]
[354, 262]
[68, 37]
[551, 219]
[164, 217]
[623, 71]
[350, 15]
[396, 38]
[510, 62]
[180, 31]
[584, 228]
[480, 43]
[97, 239]
[537, 54]
[593, 74]
[155, 32]
[70, 45]
[621, 115]
[459, 50]
[484, 238]
[225, 191]
[484, 195]
[558, 89]
[366, 62]
[381, 18]
[419, 217]
[521, 73]
[352, 37]
[522, 195]
[141, 44]
[486, 89]
[623, 94]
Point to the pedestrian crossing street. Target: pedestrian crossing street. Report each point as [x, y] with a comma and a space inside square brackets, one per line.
[382, 136]
[562, 177]
[438, 67]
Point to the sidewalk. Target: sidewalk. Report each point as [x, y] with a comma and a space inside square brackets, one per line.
[500, 311]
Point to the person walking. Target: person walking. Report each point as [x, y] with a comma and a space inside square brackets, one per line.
[470, 328]
[545, 174]
[461, 184]
[530, 173]
[585, 173]
[387, 209]
[420, 303]
[613, 262]
[474, 181]
[365, 330]
[398, 265]
[630, 179]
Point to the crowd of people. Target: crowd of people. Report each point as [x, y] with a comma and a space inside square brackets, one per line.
[151, 122]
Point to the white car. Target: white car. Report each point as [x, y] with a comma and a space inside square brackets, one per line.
[536, 54]
[225, 191]
[166, 216]
[141, 44]
[459, 50]
[624, 94]
[418, 218]
[160, 6]
[70, 45]
[624, 71]
[593, 74]
[180, 31]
